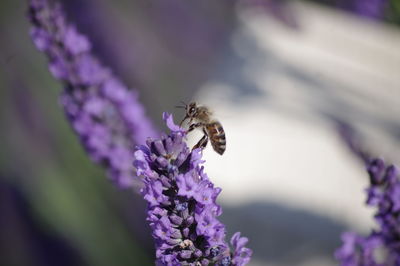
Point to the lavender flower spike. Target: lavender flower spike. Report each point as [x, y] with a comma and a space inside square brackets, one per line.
[104, 113]
[382, 246]
[182, 208]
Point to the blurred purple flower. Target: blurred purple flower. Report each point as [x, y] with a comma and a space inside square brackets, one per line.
[278, 9]
[370, 8]
[352, 140]
[358, 250]
[182, 208]
[105, 114]
[381, 247]
[367, 8]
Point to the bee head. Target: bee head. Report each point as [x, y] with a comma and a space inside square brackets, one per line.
[191, 109]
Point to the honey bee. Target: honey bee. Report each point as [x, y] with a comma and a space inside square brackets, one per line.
[201, 117]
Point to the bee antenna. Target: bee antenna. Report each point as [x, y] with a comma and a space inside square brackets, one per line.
[181, 106]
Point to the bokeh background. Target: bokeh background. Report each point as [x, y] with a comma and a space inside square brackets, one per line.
[278, 75]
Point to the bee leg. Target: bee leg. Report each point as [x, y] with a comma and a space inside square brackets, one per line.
[194, 126]
[202, 143]
[183, 120]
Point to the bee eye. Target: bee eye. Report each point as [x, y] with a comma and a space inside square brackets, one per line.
[191, 110]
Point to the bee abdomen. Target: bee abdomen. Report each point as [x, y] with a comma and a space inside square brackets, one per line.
[217, 137]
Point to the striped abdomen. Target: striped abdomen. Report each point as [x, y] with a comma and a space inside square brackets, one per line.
[216, 135]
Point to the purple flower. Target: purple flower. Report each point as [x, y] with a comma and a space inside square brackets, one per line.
[241, 255]
[359, 251]
[381, 247]
[351, 139]
[104, 113]
[370, 8]
[182, 209]
[373, 9]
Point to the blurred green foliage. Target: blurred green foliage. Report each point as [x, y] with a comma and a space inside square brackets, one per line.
[393, 12]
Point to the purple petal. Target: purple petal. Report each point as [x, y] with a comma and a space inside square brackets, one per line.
[169, 120]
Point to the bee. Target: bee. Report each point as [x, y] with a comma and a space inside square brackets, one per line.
[201, 117]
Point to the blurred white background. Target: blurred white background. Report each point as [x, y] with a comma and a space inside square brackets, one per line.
[286, 174]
